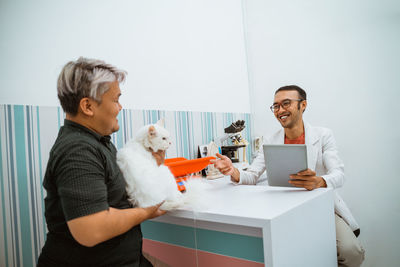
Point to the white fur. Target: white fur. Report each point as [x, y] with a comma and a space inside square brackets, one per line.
[149, 184]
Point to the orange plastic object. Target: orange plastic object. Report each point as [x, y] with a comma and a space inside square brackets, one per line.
[182, 167]
[166, 161]
[180, 181]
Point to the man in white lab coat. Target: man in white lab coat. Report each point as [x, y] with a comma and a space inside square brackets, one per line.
[325, 168]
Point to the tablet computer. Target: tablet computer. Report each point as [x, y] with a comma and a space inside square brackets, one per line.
[282, 161]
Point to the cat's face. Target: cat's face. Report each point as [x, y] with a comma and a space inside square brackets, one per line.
[158, 138]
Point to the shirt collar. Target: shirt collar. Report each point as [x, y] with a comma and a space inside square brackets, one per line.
[104, 139]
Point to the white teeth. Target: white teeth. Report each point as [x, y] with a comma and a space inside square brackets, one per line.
[283, 117]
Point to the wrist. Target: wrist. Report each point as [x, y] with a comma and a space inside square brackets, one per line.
[235, 176]
[322, 182]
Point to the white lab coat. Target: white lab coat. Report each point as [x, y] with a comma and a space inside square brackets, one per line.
[322, 157]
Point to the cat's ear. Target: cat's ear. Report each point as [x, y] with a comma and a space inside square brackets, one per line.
[161, 122]
[152, 131]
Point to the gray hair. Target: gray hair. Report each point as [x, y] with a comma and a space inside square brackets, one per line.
[85, 78]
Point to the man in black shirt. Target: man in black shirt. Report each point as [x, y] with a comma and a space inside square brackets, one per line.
[88, 215]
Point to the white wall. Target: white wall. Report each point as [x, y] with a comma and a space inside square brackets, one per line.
[190, 55]
[180, 54]
[346, 55]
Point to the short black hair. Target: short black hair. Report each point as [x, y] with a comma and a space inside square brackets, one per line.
[302, 93]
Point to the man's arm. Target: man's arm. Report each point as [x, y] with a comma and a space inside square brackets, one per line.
[332, 163]
[250, 176]
[334, 166]
[95, 228]
[225, 166]
[90, 230]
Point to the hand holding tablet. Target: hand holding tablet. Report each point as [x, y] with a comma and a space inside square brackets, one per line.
[281, 161]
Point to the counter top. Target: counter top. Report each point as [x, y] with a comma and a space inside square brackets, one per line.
[249, 205]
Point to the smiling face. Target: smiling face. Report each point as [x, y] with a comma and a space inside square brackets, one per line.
[105, 113]
[292, 116]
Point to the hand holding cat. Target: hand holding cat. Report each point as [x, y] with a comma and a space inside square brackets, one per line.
[154, 211]
[159, 156]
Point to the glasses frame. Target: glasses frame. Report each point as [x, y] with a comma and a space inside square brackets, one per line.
[280, 104]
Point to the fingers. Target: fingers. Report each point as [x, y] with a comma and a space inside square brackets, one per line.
[305, 179]
[159, 211]
[159, 204]
[221, 161]
[309, 185]
[227, 171]
[160, 153]
[155, 211]
[159, 156]
[221, 156]
[307, 172]
[223, 164]
[301, 177]
[304, 175]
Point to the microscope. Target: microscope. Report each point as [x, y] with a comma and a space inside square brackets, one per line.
[233, 134]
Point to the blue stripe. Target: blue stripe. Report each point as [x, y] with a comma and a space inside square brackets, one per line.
[248, 136]
[169, 233]
[22, 185]
[185, 137]
[179, 124]
[227, 244]
[215, 129]
[124, 125]
[209, 126]
[40, 164]
[58, 118]
[202, 128]
[33, 204]
[224, 119]
[143, 116]
[191, 136]
[130, 124]
[154, 116]
[120, 143]
[176, 136]
[12, 189]
[3, 199]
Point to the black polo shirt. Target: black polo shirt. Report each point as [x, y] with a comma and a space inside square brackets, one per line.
[82, 178]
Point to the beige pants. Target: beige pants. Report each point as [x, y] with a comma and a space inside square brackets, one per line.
[350, 253]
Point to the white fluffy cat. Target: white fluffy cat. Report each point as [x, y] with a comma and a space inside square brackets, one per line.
[147, 183]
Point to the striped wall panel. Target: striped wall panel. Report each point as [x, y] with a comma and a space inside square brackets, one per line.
[27, 134]
[178, 256]
[203, 245]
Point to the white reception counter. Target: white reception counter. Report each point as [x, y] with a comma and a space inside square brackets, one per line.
[297, 226]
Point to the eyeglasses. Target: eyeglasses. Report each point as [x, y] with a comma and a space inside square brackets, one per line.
[284, 104]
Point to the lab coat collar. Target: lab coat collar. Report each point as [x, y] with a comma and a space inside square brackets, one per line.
[311, 140]
[310, 137]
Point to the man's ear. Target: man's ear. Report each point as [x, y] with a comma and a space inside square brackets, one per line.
[86, 106]
[304, 104]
